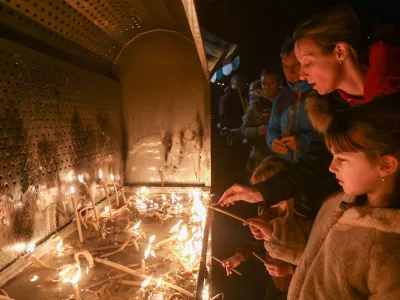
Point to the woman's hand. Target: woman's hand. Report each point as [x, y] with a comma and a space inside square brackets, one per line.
[231, 263]
[280, 269]
[260, 228]
[238, 192]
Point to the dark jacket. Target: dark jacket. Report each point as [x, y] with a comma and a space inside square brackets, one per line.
[230, 109]
[289, 111]
[310, 175]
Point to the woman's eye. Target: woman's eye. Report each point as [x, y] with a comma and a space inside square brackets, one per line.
[340, 159]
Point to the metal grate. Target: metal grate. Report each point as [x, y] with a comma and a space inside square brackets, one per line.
[55, 120]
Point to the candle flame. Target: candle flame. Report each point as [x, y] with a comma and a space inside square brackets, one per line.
[34, 278]
[31, 248]
[205, 294]
[76, 277]
[153, 253]
[159, 282]
[163, 197]
[20, 247]
[72, 190]
[179, 198]
[147, 252]
[151, 239]
[136, 226]
[112, 177]
[64, 272]
[183, 234]
[107, 209]
[146, 282]
[176, 227]
[69, 176]
[58, 248]
[100, 174]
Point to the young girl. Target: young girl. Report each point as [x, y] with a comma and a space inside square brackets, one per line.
[294, 227]
[353, 249]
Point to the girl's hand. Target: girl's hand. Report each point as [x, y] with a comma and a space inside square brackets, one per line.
[260, 228]
[280, 269]
[231, 263]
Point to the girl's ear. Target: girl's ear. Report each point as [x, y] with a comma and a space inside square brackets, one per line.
[388, 165]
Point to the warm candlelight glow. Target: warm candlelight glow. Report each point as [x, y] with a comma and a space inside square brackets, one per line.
[20, 247]
[80, 178]
[176, 227]
[59, 245]
[159, 282]
[151, 239]
[107, 209]
[147, 252]
[34, 278]
[183, 234]
[112, 177]
[64, 272]
[76, 278]
[100, 174]
[205, 294]
[136, 226]
[163, 197]
[146, 282]
[31, 248]
[69, 176]
[72, 190]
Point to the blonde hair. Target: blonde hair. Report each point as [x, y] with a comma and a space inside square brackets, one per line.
[268, 167]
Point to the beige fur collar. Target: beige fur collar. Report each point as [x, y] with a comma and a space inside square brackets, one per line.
[383, 219]
[318, 111]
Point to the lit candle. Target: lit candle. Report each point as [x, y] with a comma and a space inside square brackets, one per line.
[59, 248]
[135, 229]
[144, 285]
[78, 222]
[205, 294]
[30, 250]
[105, 190]
[74, 282]
[157, 294]
[115, 188]
[143, 262]
[80, 178]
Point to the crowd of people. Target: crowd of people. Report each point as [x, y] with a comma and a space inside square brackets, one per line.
[324, 157]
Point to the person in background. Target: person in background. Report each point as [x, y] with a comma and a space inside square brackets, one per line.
[326, 47]
[233, 103]
[289, 130]
[271, 84]
[353, 248]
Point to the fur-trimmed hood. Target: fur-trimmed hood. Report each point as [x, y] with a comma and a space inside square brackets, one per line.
[319, 111]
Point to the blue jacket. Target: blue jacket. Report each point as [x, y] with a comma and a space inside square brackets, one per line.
[289, 110]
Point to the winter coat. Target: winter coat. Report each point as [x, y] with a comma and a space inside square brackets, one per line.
[352, 253]
[288, 111]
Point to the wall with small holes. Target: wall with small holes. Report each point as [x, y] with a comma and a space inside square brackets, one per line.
[56, 121]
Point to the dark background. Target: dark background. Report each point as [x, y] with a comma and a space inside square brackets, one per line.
[259, 27]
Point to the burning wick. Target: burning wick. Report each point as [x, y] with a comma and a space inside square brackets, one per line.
[115, 188]
[81, 180]
[30, 250]
[59, 248]
[135, 228]
[205, 294]
[78, 222]
[143, 262]
[103, 183]
[74, 282]
[144, 285]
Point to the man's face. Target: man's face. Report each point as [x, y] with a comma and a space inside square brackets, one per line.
[291, 67]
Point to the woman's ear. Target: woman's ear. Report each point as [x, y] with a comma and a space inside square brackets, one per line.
[341, 52]
[388, 165]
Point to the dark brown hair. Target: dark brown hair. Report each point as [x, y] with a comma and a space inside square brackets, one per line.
[372, 128]
[287, 47]
[268, 167]
[332, 26]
